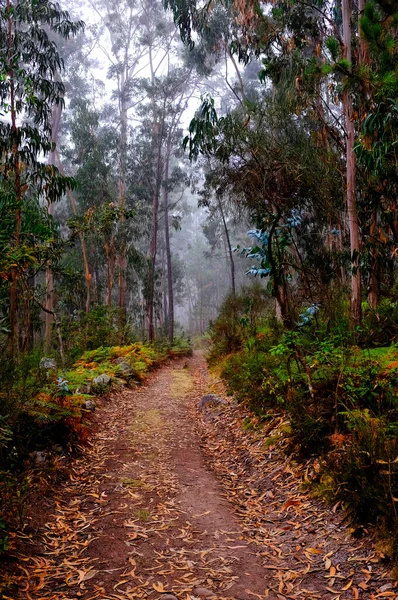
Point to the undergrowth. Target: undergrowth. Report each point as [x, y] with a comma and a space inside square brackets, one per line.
[339, 393]
[45, 411]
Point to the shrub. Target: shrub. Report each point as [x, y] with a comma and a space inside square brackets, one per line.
[380, 326]
[342, 404]
[240, 316]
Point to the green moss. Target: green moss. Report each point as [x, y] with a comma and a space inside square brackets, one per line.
[132, 483]
[144, 515]
[271, 441]
[141, 358]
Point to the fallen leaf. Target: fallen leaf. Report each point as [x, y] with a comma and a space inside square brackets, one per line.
[347, 587]
[313, 550]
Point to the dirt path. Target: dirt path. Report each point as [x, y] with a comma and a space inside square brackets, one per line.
[142, 516]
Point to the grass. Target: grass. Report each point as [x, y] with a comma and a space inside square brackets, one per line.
[143, 515]
[385, 354]
[182, 383]
[132, 483]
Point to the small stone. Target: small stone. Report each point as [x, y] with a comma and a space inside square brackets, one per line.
[90, 405]
[40, 458]
[168, 597]
[103, 379]
[85, 388]
[203, 592]
[47, 363]
[211, 400]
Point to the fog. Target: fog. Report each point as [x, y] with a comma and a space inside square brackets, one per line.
[159, 241]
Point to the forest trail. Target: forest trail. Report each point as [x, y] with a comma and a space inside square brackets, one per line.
[141, 514]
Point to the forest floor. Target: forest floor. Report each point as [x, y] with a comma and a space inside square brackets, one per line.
[169, 501]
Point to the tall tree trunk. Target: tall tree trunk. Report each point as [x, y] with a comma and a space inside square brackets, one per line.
[230, 253]
[110, 269]
[122, 251]
[157, 137]
[170, 314]
[356, 309]
[49, 303]
[154, 233]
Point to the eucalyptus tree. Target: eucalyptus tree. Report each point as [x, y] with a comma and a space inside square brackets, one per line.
[272, 168]
[29, 88]
[124, 53]
[338, 63]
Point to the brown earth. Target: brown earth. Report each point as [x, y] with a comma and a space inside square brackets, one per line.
[167, 500]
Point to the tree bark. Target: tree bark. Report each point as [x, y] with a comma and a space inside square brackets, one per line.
[110, 268]
[157, 136]
[154, 234]
[170, 312]
[352, 211]
[230, 253]
[122, 251]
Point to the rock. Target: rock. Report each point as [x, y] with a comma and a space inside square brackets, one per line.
[85, 388]
[120, 361]
[124, 367]
[90, 405]
[168, 597]
[211, 400]
[40, 458]
[103, 379]
[47, 363]
[203, 592]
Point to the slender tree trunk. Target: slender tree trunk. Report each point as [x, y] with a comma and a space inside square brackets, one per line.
[157, 135]
[356, 309]
[49, 316]
[230, 252]
[154, 234]
[122, 252]
[170, 314]
[110, 269]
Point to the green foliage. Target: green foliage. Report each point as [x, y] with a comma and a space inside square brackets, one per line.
[363, 465]
[380, 325]
[238, 319]
[341, 401]
[332, 44]
[140, 359]
[99, 327]
[41, 410]
[250, 376]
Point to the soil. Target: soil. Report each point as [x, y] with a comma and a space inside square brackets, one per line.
[169, 500]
